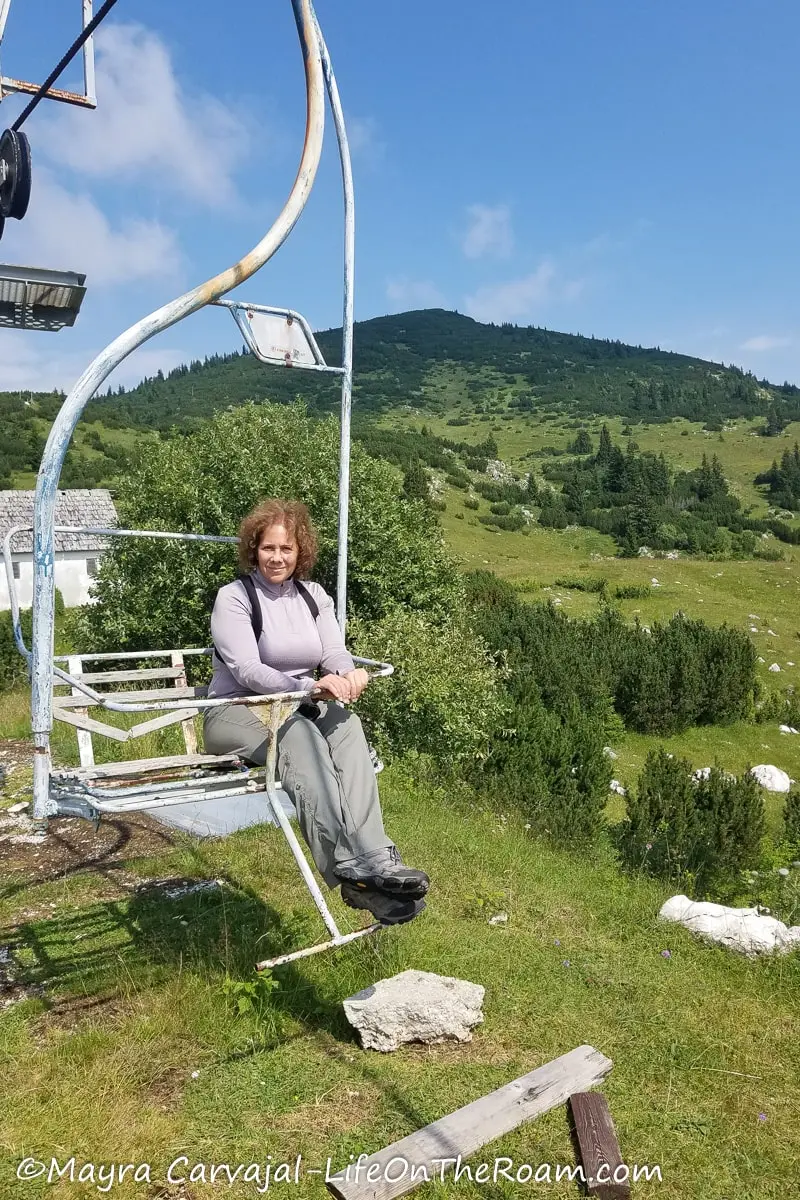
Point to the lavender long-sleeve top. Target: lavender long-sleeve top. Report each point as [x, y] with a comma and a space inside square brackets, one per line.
[292, 643]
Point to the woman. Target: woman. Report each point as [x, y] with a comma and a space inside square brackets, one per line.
[323, 758]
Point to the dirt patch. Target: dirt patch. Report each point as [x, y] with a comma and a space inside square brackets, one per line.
[68, 1012]
[14, 753]
[73, 845]
[171, 1191]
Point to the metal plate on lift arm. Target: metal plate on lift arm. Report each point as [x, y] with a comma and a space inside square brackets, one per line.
[278, 336]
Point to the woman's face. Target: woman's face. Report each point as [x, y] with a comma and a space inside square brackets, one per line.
[277, 554]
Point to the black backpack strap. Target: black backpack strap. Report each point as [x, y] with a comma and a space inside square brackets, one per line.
[313, 607]
[256, 619]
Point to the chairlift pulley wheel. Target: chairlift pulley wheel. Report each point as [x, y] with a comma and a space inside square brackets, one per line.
[15, 175]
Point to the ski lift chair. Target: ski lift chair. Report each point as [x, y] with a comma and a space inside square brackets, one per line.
[277, 336]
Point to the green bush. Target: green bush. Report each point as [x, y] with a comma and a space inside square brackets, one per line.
[791, 820]
[632, 591]
[156, 594]
[13, 667]
[445, 697]
[582, 583]
[472, 502]
[699, 834]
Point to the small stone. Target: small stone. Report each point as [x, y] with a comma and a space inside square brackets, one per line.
[195, 1074]
[501, 918]
[616, 786]
[609, 753]
[774, 667]
[415, 1006]
[784, 871]
[18, 808]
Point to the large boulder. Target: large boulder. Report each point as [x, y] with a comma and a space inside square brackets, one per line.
[771, 778]
[742, 929]
[415, 1006]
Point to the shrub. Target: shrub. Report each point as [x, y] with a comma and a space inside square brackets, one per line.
[161, 594]
[632, 591]
[13, 667]
[791, 819]
[472, 502]
[585, 583]
[699, 834]
[445, 697]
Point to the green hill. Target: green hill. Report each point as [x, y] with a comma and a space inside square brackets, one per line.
[437, 362]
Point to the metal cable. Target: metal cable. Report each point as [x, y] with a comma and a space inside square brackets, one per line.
[65, 61]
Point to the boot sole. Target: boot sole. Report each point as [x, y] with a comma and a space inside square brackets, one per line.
[401, 916]
[390, 885]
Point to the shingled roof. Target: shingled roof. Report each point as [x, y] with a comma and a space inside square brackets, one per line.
[74, 506]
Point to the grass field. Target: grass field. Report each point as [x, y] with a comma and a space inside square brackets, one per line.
[129, 1046]
[133, 1051]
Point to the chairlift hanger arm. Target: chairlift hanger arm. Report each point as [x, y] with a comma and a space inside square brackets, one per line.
[82, 37]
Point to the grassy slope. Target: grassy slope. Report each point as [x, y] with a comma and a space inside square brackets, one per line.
[703, 1042]
[736, 592]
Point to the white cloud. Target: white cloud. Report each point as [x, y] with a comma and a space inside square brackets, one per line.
[766, 342]
[489, 231]
[522, 299]
[413, 293]
[145, 126]
[364, 139]
[67, 231]
[38, 363]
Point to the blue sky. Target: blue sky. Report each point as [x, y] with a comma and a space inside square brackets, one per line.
[622, 169]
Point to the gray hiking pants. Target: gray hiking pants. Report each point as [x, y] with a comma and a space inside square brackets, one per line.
[324, 766]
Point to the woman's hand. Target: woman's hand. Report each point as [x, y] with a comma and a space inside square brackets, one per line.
[358, 681]
[345, 687]
[338, 686]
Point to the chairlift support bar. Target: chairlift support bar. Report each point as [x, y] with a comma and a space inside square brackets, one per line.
[46, 91]
[319, 79]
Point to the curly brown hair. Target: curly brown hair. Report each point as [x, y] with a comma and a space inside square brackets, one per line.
[295, 518]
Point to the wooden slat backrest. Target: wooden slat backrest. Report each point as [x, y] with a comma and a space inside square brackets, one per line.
[73, 708]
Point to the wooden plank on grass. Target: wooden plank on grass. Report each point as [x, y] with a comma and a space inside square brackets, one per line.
[598, 1145]
[466, 1130]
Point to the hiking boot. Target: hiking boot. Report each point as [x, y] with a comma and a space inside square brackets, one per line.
[384, 871]
[389, 910]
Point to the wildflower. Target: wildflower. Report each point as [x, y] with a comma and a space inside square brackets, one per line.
[649, 846]
[666, 954]
[556, 941]
[762, 1116]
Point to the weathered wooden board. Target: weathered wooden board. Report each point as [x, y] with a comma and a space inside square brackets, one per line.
[124, 676]
[166, 719]
[145, 765]
[85, 747]
[165, 693]
[83, 722]
[598, 1145]
[466, 1130]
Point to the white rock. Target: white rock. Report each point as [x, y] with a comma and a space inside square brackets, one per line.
[609, 753]
[616, 786]
[760, 659]
[18, 808]
[771, 778]
[500, 918]
[415, 1006]
[787, 729]
[772, 633]
[789, 664]
[702, 773]
[655, 582]
[742, 929]
[774, 667]
[754, 616]
[754, 629]
[672, 554]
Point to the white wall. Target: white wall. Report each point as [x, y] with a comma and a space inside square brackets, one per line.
[72, 578]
